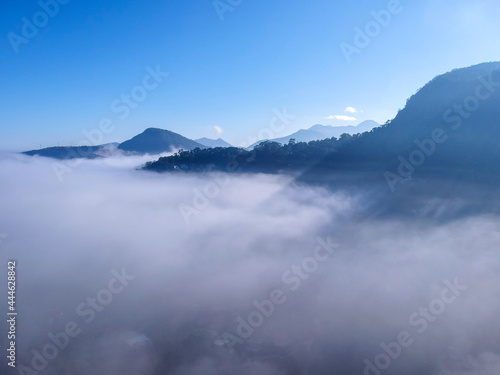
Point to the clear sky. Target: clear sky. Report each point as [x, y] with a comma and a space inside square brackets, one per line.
[229, 69]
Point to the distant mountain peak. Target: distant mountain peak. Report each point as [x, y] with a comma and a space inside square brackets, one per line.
[320, 127]
[208, 142]
[157, 141]
[156, 130]
[318, 132]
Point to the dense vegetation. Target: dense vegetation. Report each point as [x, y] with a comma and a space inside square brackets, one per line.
[268, 157]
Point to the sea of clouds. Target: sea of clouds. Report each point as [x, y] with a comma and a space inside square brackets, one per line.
[270, 276]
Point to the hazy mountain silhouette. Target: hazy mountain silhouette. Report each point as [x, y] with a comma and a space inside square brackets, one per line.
[213, 142]
[319, 132]
[75, 152]
[151, 141]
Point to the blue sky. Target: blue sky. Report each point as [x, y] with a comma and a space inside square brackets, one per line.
[228, 72]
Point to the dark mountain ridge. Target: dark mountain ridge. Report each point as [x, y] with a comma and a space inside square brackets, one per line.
[157, 141]
[74, 152]
[452, 123]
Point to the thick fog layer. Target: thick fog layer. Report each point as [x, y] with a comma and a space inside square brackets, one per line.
[121, 271]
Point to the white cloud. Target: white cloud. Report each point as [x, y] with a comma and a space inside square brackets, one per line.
[218, 130]
[341, 118]
[351, 110]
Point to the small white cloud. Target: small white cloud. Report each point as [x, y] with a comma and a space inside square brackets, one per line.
[218, 130]
[341, 118]
[351, 110]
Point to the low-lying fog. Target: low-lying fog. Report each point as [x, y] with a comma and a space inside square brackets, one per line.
[122, 271]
